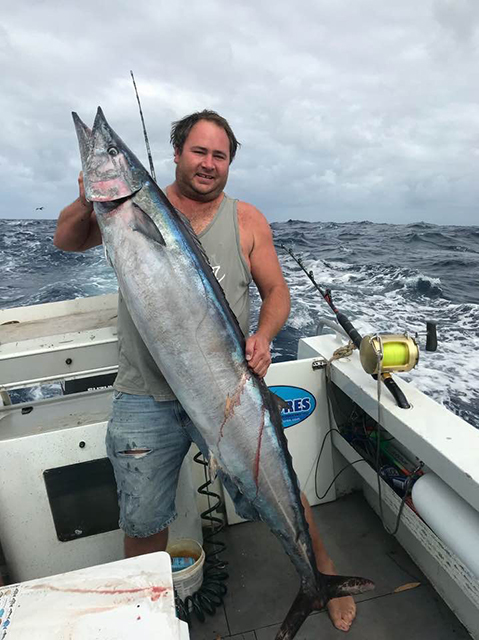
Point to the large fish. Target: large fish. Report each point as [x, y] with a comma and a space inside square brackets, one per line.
[181, 313]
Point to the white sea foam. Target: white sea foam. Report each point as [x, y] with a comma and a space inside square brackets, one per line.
[447, 375]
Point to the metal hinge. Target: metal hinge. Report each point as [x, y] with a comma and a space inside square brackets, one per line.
[319, 363]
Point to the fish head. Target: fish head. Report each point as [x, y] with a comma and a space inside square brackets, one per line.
[110, 170]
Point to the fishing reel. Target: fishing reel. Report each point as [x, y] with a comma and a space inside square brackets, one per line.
[394, 353]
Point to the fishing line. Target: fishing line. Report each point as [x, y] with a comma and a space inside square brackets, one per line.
[410, 479]
[350, 464]
[349, 421]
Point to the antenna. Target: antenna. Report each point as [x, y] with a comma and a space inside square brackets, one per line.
[148, 150]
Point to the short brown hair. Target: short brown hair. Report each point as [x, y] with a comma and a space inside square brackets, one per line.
[180, 129]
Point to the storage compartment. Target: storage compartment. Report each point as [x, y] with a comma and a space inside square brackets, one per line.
[83, 499]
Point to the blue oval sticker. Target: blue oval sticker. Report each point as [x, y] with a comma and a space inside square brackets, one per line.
[301, 404]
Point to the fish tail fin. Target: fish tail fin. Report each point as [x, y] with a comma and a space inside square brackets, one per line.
[339, 586]
[306, 602]
[300, 610]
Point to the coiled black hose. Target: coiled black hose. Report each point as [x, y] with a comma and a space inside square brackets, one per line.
[211, 593]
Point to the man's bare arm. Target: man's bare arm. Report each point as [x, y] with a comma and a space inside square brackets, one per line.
[77, 226]
[268, 277]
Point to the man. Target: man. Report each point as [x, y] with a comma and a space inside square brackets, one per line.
[146, 427]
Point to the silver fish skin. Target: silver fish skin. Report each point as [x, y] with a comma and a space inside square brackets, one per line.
[182, 315]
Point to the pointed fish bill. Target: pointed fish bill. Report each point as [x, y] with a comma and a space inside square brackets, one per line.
[110, 170]
[83, 135]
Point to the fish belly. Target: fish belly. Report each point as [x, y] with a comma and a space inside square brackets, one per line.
[188, 336]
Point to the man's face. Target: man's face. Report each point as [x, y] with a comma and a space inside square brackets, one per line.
[203, 165]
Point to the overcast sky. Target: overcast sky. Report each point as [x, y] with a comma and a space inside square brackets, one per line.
[346, 109]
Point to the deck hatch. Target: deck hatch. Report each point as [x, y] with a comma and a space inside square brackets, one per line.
[83, 499]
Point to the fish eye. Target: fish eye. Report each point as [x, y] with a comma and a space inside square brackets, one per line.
[112, 151]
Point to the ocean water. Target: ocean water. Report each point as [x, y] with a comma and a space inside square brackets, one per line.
[384, 277]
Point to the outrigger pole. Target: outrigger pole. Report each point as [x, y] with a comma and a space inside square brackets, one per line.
[147, 142]
[355, 336]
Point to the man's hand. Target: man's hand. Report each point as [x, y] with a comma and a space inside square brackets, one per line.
[77, 226]
[258, 354]
[81, 188]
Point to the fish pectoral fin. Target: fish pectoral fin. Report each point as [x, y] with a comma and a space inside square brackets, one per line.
[300, 610]
[339, 586]
[282, 404]
[142, 223]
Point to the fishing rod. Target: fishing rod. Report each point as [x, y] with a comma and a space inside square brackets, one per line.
[147, 142]
[380, 354]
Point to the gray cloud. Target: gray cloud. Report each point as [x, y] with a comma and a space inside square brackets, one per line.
[346, 111]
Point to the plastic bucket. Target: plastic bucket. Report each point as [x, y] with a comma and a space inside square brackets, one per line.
[188, 580]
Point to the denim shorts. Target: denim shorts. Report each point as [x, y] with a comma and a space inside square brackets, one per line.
[161, 434]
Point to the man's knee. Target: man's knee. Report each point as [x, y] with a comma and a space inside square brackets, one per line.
[149, 544]
[136, 453]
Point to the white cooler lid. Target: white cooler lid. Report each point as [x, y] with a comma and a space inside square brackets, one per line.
[121, 600]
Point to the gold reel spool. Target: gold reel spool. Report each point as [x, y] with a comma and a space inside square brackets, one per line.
[388, 353]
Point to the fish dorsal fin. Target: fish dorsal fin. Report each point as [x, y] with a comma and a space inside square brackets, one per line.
[192, 234]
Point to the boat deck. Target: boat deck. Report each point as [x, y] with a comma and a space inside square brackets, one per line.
[263, 583]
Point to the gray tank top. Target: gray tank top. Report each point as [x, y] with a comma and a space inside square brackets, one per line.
[137, 371]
